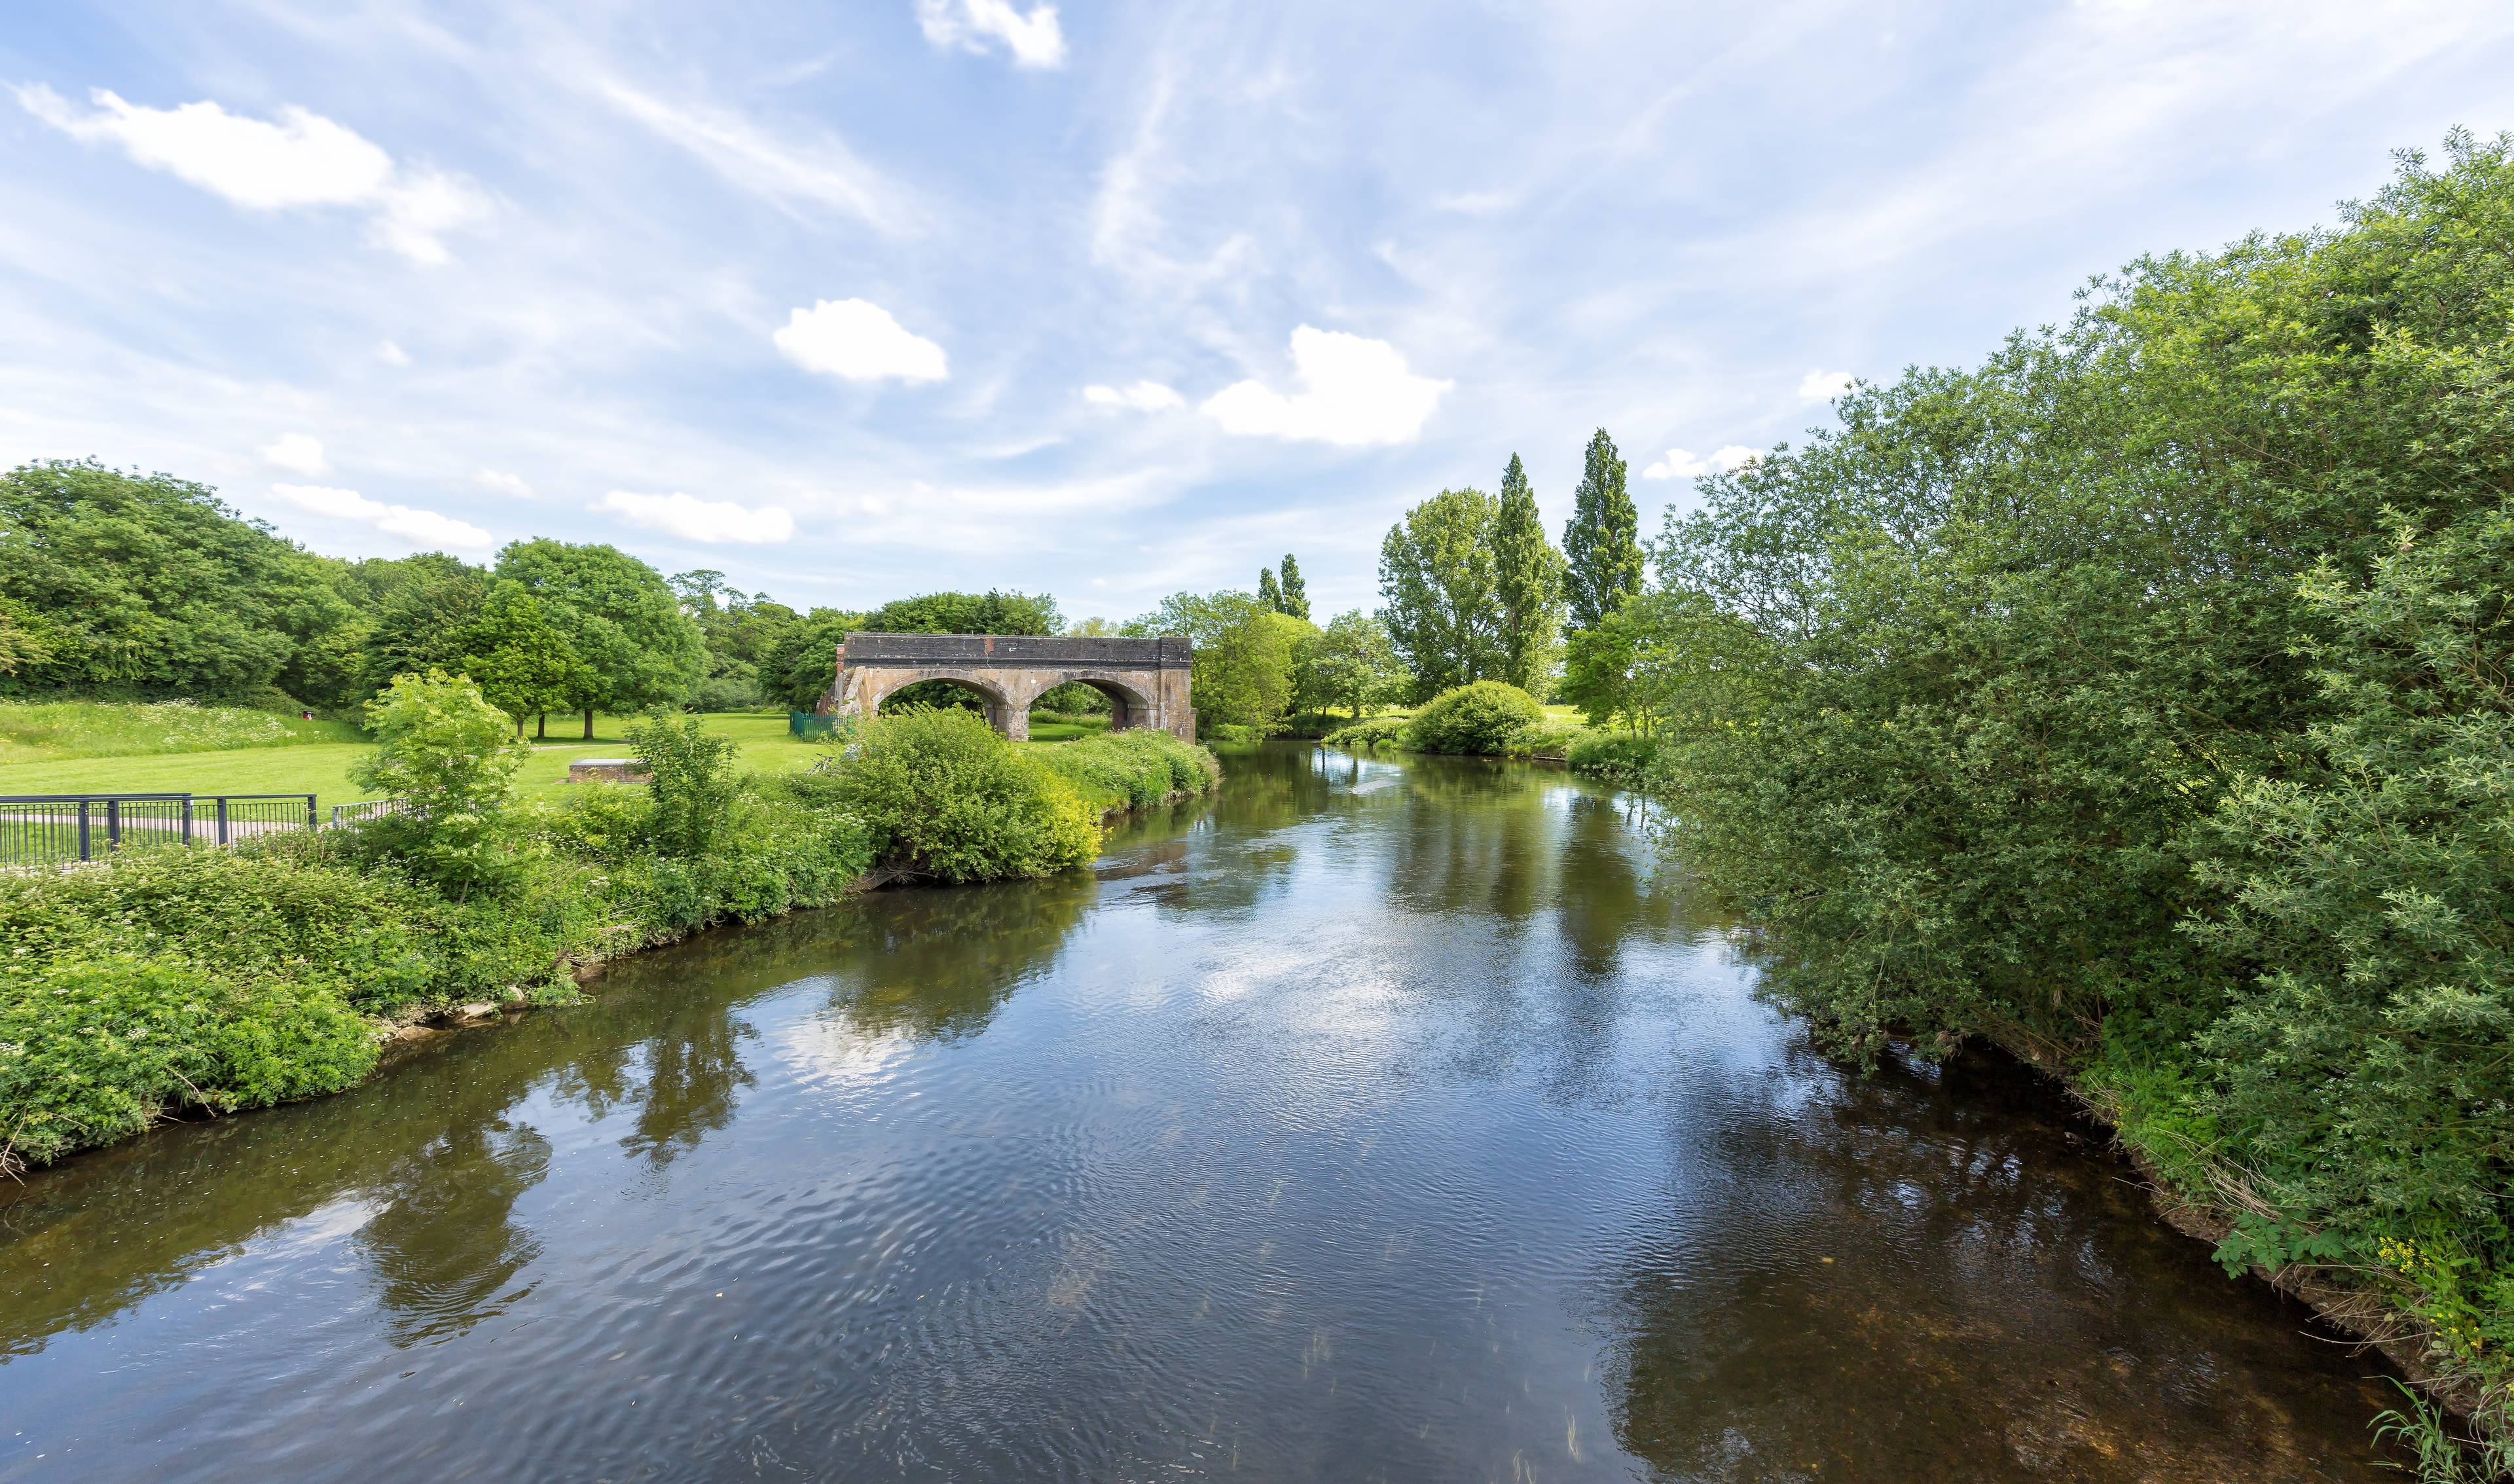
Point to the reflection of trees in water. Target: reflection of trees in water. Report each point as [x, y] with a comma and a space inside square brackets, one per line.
[693, 1070]
[939, 962]
[446, 1243]
[1908, 1277]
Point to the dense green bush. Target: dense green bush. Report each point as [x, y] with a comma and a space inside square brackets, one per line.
[1134, 769]
[1484, 717]
[93, 1049]
[2140, 697]
[1621, 758]
[949, 798]
[690, 781]
[1377, 732]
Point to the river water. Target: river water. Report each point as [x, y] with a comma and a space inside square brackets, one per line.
[1382, 1120]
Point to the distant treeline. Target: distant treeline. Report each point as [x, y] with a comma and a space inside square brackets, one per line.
[118, 585]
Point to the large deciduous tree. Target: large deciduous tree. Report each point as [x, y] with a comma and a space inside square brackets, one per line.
[521, 661]
[149, 585]
[1244, 655]
[1442, 585]
[1602, 542]
[1352, 663]
[634, 647]
[1527, 578]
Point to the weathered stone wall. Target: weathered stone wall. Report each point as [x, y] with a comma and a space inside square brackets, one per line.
[1148, 679]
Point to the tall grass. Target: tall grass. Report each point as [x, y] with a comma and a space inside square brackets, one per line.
[42, 731]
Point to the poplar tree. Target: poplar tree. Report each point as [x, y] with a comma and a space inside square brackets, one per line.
[1602, 542]
[1527, 577]
[1268, 591]
[1296, 594]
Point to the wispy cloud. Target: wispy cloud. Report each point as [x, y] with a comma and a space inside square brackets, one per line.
[1142, 396]
[422, 529]
[815, 172]
[708, 521]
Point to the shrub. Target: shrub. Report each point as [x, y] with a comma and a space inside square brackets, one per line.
[1232, 734]
[1551, 739]
[1621, 758]
[1486, 717]
[727, 692]
[274, 911]
[1135, 768]
[1377, 732]
[690, 777]
[95, 1049]
[445, 755]
[949, 798]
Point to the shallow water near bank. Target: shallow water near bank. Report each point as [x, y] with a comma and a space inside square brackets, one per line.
[1382, 1119]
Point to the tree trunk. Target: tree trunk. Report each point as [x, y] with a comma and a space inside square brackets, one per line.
[540, 726]
[589, 723]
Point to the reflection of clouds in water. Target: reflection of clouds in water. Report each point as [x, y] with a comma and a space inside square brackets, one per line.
[277, 1254]
[829, 1051]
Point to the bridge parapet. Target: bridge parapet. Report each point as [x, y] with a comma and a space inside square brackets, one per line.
[1146, 680]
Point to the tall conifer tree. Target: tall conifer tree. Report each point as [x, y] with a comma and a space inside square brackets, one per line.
[1528, 576]
[1296, 594]
[1602, 540]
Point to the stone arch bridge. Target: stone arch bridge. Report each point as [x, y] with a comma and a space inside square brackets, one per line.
[1145, 680]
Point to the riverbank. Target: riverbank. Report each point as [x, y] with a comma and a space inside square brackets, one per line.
[182, 982]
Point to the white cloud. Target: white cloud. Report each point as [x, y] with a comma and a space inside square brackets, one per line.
[1475, 203]
[391, 354]
[303, 161]
[860, 341]
[1678, 464]
[1823, 385]
[1355, 392]
[297, 454]
[1143, 396]
[421, 527]
[713, 521]
[1682, 465]
[1034, 39]
[504, 482]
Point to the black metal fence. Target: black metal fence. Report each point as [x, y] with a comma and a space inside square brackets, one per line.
[51, 828]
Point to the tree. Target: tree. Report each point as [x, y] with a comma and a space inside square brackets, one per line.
[1602, 542]
[149, 585]
[1296, 593]
[1242, 663]
[1350, 664]
[520, 661]
[634, 646]
[1527, 578]
[1437, 574]
[1268, 591]
[803, 662]
[422, 604]
[967, 613]
[444, 754]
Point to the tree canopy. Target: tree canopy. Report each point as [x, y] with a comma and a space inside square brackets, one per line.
[149, 585]
[1441, 579]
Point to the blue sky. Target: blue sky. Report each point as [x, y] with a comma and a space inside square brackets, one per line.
[856, 299]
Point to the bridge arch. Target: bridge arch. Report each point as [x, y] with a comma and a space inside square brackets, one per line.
[1146, 678]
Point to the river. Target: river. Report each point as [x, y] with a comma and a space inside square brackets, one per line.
[1380, 1120]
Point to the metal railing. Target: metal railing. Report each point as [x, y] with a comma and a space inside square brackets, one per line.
[53, 828]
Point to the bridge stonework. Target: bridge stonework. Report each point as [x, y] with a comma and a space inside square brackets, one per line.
[1145, 680]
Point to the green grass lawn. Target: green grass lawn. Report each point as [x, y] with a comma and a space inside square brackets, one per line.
[45, 731]
[318, 761]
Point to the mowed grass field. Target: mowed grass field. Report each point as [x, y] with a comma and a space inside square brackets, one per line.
[316, 757]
